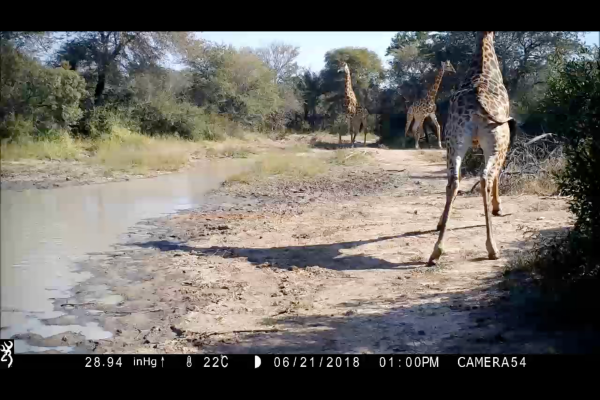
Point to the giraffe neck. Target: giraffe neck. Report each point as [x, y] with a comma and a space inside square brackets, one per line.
[484, 60]
[436, 85]
[348, 84]
[489, 60]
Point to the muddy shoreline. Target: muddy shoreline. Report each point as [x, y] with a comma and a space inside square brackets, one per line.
[26, 175]
[328, 265]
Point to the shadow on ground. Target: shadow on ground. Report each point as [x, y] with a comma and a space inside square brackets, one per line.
[487, 319]
[323, 255]
[472, 322]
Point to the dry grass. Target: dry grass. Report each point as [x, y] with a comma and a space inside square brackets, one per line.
[433, 156]
[63, 147]
[130, 151]
[283, 164]
[350, 157]
[230, 150]
[541, 183]
[529, 167]
[126, 151]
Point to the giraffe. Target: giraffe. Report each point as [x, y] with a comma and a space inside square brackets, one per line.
[479, 114]
[356, 116]
[426, 107]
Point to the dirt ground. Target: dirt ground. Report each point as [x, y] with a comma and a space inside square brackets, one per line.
[328, 265]
[46, 174]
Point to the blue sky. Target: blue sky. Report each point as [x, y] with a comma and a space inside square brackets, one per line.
[314, 45]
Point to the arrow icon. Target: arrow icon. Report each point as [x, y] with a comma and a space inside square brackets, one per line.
[256, 361]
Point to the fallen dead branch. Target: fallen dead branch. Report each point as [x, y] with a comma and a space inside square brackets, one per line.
[529, 165]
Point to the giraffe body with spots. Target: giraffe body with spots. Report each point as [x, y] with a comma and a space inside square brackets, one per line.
[356, 116]
[479, 114]
[426, 108]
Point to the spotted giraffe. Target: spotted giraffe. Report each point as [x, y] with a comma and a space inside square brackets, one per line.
[479, 114]
[426, 107]
[356, 116]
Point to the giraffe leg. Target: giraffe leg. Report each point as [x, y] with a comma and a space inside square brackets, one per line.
[496, 204]
[456, 153]
[348, 121]
[409, 120]
[364, 125]
[438, 131]
[417, 131]
[494, 151]
[351, 130]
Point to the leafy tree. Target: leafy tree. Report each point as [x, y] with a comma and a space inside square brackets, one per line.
[47, 98]
[310, 87]
[366, 72]
[29, 42]
[234, 82]
[105, 53]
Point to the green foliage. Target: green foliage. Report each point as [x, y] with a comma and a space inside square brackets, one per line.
[573, 107]
[367, 75]
[48, 97]
[164, 115]
[103, 56]
[567, 267]
[236, 83]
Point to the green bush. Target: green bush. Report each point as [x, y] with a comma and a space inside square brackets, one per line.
[49, 98]
[567, 267]
[573, 106]
[166, 116]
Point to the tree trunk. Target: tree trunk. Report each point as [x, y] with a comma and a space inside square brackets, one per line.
[100, 86]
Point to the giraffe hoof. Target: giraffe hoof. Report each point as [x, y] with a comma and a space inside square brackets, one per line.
[497, 213]
[493, 253]
[435, 255]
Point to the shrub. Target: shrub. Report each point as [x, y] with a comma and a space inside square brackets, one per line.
[568, 266]
[47, 97]
[573, 104]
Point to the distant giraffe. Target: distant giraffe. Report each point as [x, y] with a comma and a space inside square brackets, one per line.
[479, 113]
[356, 116]
[426, 107]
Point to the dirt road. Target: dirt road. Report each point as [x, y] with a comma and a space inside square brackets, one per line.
[324, 266]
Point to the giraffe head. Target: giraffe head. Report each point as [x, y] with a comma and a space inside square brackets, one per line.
[447, 67]
[344, 67]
